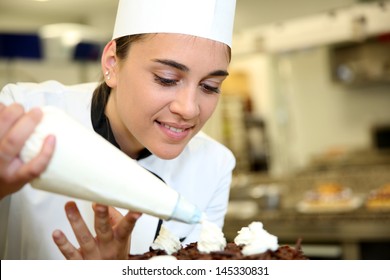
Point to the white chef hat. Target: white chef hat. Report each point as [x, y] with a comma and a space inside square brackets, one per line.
[211, 19]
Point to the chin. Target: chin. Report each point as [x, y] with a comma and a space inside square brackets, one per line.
[167, 154]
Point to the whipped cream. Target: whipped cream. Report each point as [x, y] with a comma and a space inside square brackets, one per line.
[255, 239]
[166, 241]
[211, 238]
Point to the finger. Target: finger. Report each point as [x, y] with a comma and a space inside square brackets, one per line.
[16, 128]
[18, 173]
[66, 248]
[38, 164]
[115, 216]
[9, 115]
[126, 226]
[102, 224]
[84, 237]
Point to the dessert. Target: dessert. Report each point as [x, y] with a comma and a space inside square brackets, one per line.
[251, 243]
[329, 197]
[232, 251]
[379, 198]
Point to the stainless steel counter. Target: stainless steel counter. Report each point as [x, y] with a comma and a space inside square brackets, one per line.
[352, 231]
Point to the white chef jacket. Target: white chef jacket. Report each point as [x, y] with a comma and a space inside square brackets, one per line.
[201, 174]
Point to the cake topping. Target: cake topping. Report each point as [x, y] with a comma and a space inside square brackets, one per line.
[211, 238]
[244, 237]
[255, 239]
[166, 241]
[254, 243]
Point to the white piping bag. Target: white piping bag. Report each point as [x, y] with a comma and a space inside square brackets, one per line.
[86, 166]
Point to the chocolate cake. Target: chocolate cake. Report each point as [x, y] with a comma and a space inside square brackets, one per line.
[231, 252]
[251, 243]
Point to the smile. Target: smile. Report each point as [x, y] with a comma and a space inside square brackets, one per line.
[174, 129]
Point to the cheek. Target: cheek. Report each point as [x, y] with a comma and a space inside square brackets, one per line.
[208, 106]
[130, 105]
[132, 96]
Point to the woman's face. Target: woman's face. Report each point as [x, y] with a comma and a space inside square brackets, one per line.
[164, 92]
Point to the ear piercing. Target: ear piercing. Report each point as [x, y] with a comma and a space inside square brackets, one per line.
[107, 74]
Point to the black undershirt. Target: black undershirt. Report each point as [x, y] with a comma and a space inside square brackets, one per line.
[101, 125]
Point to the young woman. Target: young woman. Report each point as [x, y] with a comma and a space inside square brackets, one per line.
[159, 89]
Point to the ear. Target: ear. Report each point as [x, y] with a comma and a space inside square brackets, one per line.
[108, 63]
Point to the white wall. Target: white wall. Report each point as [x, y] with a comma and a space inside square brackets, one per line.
[308, 114]
[322, 115]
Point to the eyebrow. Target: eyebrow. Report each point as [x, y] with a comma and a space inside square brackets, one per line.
[184, 68]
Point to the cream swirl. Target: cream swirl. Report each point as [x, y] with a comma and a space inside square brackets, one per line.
[211, 238]
[256, 240]
[166, 241]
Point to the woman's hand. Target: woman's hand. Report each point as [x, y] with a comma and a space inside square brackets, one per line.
[16, 126]
[113, 231]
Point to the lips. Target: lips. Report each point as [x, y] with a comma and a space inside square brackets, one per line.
[174, 130]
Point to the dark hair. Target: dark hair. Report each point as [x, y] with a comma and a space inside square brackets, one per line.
[123, 44]
[101, 93]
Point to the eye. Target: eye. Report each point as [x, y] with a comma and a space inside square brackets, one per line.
[210, 89]
[164, 81]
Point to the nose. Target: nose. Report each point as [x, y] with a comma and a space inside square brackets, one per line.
[185, 103]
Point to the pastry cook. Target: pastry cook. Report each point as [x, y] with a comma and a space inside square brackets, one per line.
[163, 72]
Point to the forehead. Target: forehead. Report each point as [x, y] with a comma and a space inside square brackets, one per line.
[183, 47]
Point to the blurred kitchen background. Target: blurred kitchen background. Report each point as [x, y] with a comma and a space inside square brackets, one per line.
[307, 105]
